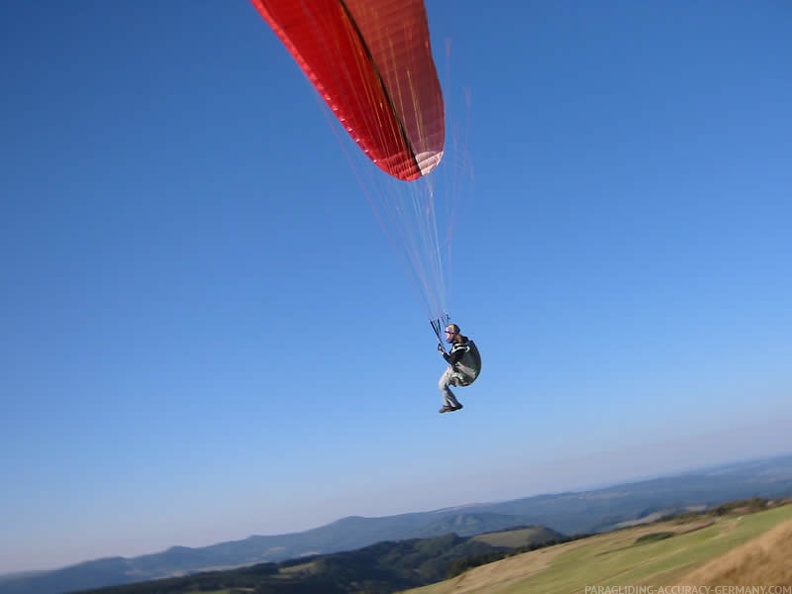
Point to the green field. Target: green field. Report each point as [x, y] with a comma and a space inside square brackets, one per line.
[512, 538]
[225, 591]
[615, 559]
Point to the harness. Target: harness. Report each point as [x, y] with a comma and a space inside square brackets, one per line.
[469, 365]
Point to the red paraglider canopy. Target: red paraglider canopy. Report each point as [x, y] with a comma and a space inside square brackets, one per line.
[371, 61]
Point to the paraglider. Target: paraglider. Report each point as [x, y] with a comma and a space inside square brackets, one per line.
[371, 62]
[464, 366]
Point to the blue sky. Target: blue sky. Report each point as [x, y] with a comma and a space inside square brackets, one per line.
[206, 334]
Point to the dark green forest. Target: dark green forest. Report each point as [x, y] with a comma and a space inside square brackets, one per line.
[377, 569]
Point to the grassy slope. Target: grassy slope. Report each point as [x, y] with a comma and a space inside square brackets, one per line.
[766, 560]
[615, 559]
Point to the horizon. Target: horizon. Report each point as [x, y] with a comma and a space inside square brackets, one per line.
[682, 471]
[207, 330]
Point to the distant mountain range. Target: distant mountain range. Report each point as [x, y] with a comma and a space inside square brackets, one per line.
[571, 514]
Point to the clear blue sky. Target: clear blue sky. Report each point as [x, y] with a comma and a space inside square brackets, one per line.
[206, 335]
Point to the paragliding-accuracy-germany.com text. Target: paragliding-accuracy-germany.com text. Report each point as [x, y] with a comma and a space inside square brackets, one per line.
[688, 590]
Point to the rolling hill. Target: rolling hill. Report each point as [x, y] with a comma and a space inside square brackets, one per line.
[732, 549]
[573, 513]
